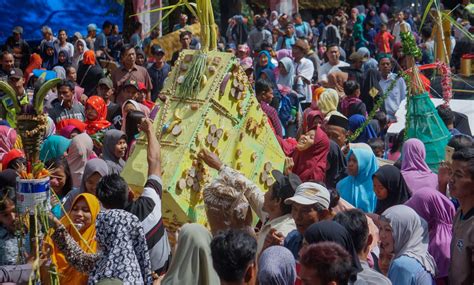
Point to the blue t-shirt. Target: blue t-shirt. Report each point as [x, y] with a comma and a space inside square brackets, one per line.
[100, 42]
[406, 270]
[294, 242]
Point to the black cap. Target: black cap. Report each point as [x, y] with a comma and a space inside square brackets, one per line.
[339, 121]
[292, 180]
[157, 50]
[15, 73]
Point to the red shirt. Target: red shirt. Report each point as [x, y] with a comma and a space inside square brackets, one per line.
[382, 40]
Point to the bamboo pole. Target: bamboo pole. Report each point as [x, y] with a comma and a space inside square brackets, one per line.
[416, 83]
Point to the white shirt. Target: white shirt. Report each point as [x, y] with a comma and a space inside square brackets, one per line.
[396, 30]
[304, 68]
[68, 48]
[395, 97]
[327, 68]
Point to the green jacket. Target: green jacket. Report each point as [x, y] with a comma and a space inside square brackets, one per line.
[8, 112]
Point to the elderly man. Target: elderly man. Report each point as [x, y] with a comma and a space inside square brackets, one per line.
[129, 71]
[270, 207]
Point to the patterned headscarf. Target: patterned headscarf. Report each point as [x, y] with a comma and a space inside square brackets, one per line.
[123, 252]
[7, 140]
[281, 272]
[100, 123]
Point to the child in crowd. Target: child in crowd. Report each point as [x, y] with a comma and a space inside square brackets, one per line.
[351, 104]
[378, 147]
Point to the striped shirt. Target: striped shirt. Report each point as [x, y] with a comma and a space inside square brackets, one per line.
[148, 209]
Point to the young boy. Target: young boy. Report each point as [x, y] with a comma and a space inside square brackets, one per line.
[383, 39]
[378, 147]
[351, 104]
[264, 93]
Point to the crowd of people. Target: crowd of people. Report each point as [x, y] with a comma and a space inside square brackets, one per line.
[365, 211]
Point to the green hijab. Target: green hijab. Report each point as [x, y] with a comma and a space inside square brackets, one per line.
[192, 262]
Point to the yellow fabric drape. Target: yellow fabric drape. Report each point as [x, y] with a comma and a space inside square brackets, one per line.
[67, 273]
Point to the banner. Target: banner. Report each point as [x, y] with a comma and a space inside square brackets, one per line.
[148, 20]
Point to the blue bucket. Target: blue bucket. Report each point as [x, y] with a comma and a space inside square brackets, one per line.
[31, 193]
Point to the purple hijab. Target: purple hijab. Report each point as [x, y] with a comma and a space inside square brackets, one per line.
[438, 211]
[415, 171]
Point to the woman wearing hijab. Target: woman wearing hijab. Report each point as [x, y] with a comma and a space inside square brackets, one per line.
[358, 32]
[268, 75]
[69, 128]
[262, 62]
[7, 140]
[54, 147]
[438, 211]
[355, 122]
[83, 215]
[357, 188]
[35, 63]
[78, 153]
[96, 114]
[80, 48]
[286, 72]
[328, 102]
[390, 188]
[333, 231]
[415, 171]
[239, 32]
[310, 155]
[63, 59]
[401, 232]
[132, 105]
[243, 54]
[89, 73]
[282, 272]
[336, 81]
[95, 169]
[49, 56]
[60, 72]
[336, 165]
[371, 86]
[114, 149]
[119, 237]
[192, 262]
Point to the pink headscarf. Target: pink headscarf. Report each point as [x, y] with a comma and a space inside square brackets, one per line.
[138, 106]
[7, 140]
[79, 151]
[415, 171]
[438, 211]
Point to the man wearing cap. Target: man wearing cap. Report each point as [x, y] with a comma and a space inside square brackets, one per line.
[129, 71]
[7, 111]
[105, 89]
[333, 53]
[270, 207]
[158, 72]
[304, 69]
[15, 41]
[309, 205]
[91, 36]
[336, 129]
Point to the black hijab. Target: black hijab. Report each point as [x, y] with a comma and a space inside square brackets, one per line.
[131, 124]
[371, 80]
[8, 178]
[398, 192]
[337, 165]
[333, 231]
